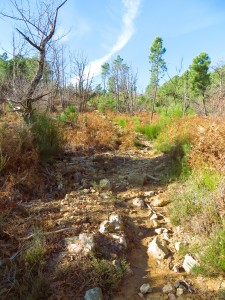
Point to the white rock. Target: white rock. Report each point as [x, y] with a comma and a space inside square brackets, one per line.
[84, 243]
[169, 288]
[189, 263]
[121, 239]
[159, 202]
[157, 249]
[104, 226]
[94, 294]
[113, 224]
[179, 292]
[177, 246]
[158, 230]
[165, 236]
[138, 202]
[155, 223]
[153, 217]
[145, 288]
[149, 194]
[116, 221]
[87, 240]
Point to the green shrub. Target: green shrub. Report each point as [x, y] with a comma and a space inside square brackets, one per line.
[137, 123]
[69, 115]
[108, 275]
[47, 134]
[151, 131]
[122, 122]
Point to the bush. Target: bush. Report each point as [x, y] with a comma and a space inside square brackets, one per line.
[47, 135]
[69, 115]
[122, 122]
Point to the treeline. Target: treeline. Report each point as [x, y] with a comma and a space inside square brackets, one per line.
[41, 73]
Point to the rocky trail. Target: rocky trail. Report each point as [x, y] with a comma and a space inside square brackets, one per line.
[128, 184]
[116, 204]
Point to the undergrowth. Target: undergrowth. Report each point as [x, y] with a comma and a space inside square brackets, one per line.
[48, 136]
[89, 272]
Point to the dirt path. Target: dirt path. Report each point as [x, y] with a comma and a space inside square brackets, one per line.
[118, 168]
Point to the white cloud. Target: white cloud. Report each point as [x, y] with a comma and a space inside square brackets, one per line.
[131, 12]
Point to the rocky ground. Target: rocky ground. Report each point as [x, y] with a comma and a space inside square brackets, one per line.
[114, 204]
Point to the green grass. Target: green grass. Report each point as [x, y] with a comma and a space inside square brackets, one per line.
[35, 254]
[196, 197]
[122, 122]
[212, 259]
[151, 131]
[69, 115]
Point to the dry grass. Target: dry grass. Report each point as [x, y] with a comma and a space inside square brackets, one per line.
[19, 161]
[93, 133]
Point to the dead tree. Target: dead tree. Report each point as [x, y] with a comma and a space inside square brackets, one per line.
[38, 28]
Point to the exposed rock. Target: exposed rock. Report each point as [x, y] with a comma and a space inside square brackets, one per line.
[161, 230]
[159, 202]
[87, 240]
[113, 224]
[94, 294]
[171, 296]
[145, 288]
[165, 236]
[149, 193]
[138, 202]
[184, 285]
[180, 291]
[121, 239]
[116, 221]
[82, 244]
[104, 184]
[153, 217]
[157, 249]
[137, 179]
[189, 263]
[155, 223]
[169, 288]
[177, 246]
[177, 268]
[105, 196]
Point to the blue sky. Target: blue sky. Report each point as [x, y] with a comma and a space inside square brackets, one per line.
[103, 29]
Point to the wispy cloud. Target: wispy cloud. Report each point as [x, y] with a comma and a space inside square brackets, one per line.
[131, 12]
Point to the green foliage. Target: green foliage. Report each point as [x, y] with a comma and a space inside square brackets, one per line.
[48, 135]
[35, 254]
[108, 275]
[157, 63]
[212, 259]
[69, 115]
[221, 294]
[122, 122]
[106, 103]
[199, 76]
[196, 197]
[151, 131]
